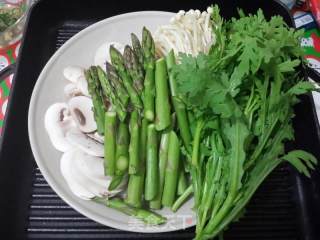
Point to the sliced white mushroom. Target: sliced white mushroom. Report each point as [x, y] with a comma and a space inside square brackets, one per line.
[78, 88]
[82, 113]
[84, 175]
[71, 90]
[82, 85]
[85, 143]
[66, 165]
[72, 73]
[57, 122]
[102, 54]
[96, 136]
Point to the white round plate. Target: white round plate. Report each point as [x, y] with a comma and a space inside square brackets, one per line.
[80, 50]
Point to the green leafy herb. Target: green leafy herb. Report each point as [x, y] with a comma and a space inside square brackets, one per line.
[248, 83]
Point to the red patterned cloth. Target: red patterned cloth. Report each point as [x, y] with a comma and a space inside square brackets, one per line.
[315, 9]
[8, 56]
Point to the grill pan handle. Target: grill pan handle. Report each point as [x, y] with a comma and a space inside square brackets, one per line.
[8, 70]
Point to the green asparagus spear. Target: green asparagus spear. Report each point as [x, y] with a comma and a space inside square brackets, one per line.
[121, 166]
[148, 49]
[163, 118]
[134, 68]
[137, 48]
[99, 108]
[136, 181]
[183, 197]
[163, 156]
[115, 182]
[172, 171]
[110, 93]
[118, 62]
[149, 65]
[122, 148]
[143, 140]
[122, 163]
[110, 143]
[122, 156]
[152, 172]
[182, 182]
[178, 104]
[134, 163]
[149, 94]
[146, 216]
[134, 190]
[116, 83]
[171, 61]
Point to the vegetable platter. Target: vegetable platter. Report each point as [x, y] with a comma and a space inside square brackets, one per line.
[178, 114]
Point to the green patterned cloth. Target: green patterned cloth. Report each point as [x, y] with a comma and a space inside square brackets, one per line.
[7, 57]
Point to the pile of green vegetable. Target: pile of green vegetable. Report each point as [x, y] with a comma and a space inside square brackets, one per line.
[9, 15]
[132, 110]
[213, 125]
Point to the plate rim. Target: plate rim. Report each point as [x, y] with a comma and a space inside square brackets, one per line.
[32, 136]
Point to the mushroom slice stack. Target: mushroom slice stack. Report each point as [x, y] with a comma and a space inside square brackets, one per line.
[72, 73]
[57, 122]
[78, 85]
[85, 175]
[85, 143]
[71, 90]
[96, 136]
[81, 111]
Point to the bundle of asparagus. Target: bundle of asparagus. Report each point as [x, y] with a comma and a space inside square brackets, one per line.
[140, 138]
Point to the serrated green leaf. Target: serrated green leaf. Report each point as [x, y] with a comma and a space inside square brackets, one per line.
[289, 65]
[237, 133]
[301, 88]
[301, 160]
